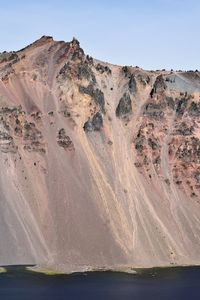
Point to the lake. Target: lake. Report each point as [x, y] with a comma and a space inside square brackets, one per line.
[159, 284]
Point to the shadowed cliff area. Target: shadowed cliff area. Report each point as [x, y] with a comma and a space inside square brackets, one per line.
[99, 164]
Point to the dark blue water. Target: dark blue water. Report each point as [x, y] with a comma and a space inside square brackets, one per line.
[168, 284]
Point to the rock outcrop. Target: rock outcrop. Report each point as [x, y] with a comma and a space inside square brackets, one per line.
[100, 164]
[124, 107]
[94, 124]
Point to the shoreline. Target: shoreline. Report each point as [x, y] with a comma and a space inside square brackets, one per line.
[126, 270]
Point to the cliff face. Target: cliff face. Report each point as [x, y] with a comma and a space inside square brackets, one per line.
[99, 164]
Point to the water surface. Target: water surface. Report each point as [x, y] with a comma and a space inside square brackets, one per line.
[159, 284]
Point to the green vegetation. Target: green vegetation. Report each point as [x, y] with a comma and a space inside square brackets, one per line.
[44, 271]
[2, 270]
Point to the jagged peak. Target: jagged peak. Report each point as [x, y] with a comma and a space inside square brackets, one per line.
[74, 43]
[39, 42]
[45, 38]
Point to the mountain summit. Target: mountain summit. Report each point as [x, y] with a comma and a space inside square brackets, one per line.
[100, 164]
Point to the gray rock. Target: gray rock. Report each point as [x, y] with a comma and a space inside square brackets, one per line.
[64, 140]
[184, 130]
[124, 107]
[153, 144]
[103, 69]
[85, 72]
[170, 102]
[180, 106]
[157, 115]
[158, 86]
[197, 177]
[194, 109]
[94, 124]
[189, 151]
[132, 85]
[96, 94]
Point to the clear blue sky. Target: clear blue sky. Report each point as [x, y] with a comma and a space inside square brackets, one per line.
[152, 34]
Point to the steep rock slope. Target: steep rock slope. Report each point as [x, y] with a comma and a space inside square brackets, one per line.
[100, 164]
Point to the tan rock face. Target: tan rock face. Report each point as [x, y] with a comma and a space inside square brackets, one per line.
[99, 164]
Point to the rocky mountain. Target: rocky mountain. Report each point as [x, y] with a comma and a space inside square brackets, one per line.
[99, 164]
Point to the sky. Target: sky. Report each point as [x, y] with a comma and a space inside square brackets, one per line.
[152, 34]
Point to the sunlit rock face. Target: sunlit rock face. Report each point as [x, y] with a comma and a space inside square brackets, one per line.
[99, 164]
